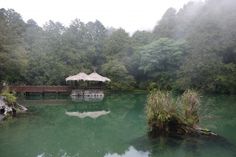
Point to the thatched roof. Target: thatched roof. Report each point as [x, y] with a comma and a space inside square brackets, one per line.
[80, 76]
[96, 77]
[91, 77]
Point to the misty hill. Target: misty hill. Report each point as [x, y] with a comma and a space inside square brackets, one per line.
[194, 47]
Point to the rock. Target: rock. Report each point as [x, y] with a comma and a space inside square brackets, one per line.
[4, 107]
[22, 108]
[6, 110]
[2, 102]
[1, 117]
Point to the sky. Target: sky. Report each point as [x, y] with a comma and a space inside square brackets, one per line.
[131, 15]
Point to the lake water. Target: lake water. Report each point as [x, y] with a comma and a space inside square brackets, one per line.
[120, 131]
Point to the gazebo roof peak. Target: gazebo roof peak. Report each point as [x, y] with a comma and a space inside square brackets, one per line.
[91, 77]
[80, 76]
[96, 77]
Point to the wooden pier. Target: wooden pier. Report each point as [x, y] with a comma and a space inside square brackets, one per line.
[41, 89]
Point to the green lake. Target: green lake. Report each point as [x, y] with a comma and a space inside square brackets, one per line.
[47, 131]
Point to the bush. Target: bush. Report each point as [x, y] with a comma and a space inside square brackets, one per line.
[166, 114]
[158, 109]
[9, 97]
[152, 86]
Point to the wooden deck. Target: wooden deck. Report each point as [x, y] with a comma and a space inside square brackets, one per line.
[41, 89]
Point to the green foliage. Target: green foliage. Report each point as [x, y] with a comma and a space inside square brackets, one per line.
[152, 86]
[165, 113]
[190, 48]
[166, 26]
[202, 76]
[9, 97]
[226, 80]
[161, 59]
[141, 38]
[117, 42]
[210, 36]
[12, 51]
[120, 79]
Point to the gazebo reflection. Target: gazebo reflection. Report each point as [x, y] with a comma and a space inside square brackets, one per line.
[90, 98]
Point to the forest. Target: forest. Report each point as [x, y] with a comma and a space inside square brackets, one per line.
[190, 48]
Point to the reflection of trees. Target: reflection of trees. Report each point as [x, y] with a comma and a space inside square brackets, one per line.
[88, 137]
[49, 130]
[185, 146]
[114, 131]
[221, 114]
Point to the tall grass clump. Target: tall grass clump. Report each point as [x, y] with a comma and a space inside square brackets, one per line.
[190, 101]
[167, 114]
[8, 96]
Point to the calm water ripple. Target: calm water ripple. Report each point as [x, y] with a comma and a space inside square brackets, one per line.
[48, 132]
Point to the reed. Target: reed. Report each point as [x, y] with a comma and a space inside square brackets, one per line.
[167, 114]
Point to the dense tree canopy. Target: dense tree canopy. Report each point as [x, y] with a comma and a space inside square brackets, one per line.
[194, 47]
[161, 59]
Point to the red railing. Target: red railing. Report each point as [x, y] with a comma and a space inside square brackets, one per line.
[41, 89]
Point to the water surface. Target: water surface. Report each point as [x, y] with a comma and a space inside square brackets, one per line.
[47, 131]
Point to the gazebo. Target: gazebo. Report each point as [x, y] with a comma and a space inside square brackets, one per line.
[84, 84]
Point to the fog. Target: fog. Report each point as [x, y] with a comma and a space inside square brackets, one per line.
[131, 15]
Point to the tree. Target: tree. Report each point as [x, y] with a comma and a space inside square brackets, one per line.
[190, 48]
[166, 26]
[96, 34]
[12, 49]
[117, 43]
[161, 59]
[121, 79]
[141, 38]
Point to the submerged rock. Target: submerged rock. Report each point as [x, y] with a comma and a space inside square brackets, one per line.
[1, 117]
[21, 108]
[7, 110]
[2, 102]
[93, 115]
[4, 107]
